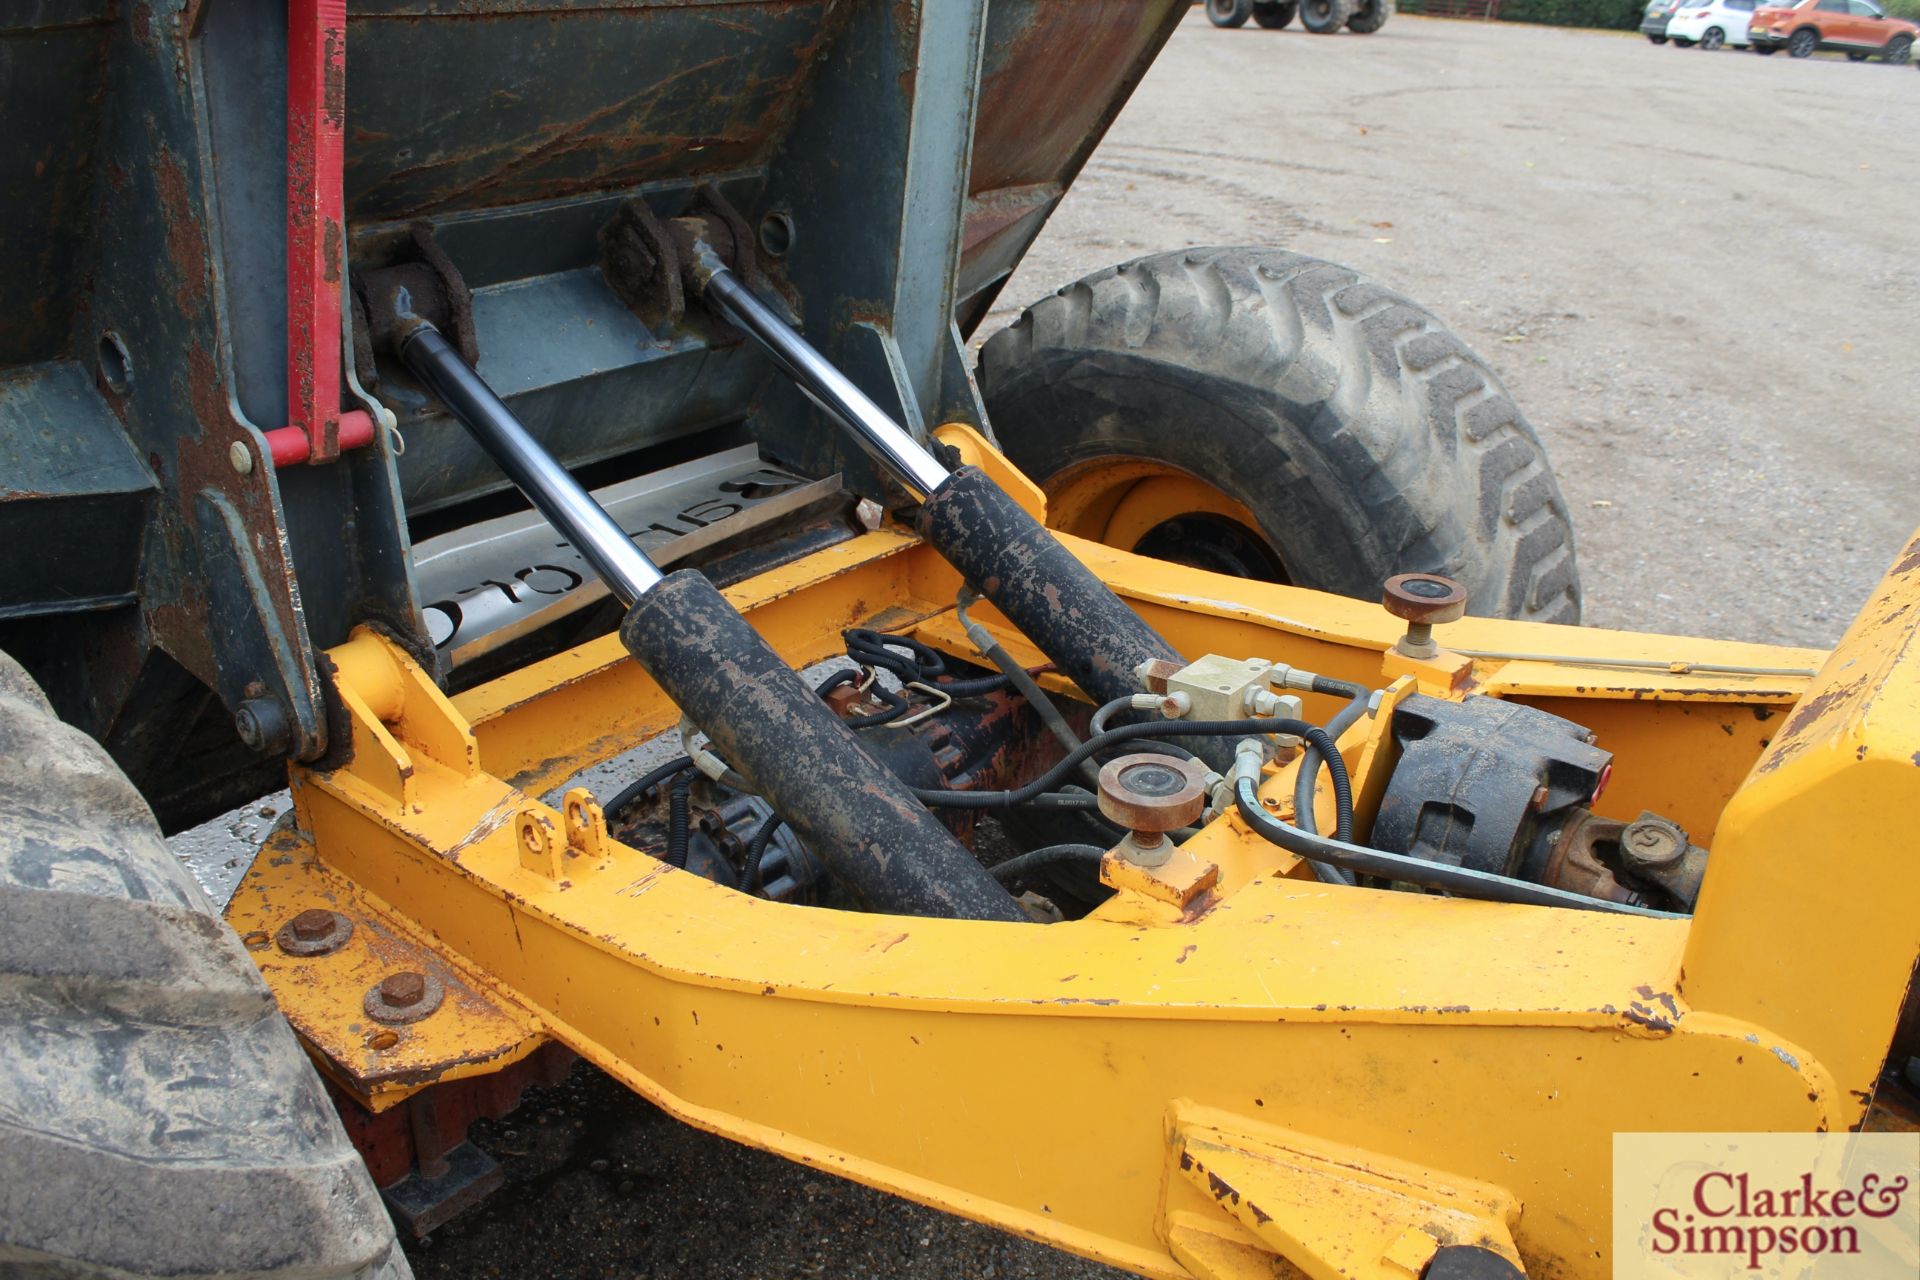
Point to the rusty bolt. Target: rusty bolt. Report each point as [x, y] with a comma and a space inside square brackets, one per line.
[312, 924]
[403, 990]
[1423, 601]
[314, 932]
[406, 996]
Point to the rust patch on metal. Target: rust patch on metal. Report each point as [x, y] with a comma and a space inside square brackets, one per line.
[185, 232]
[330, 249]
[1800, 726]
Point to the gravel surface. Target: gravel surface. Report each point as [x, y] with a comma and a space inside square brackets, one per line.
[1697, 273]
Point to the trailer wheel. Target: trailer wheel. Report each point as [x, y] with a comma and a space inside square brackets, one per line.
[1229, 13]
[1273, 416]
[1325, 17]
[157, 1116]
[1369, 16]
[1274, 15]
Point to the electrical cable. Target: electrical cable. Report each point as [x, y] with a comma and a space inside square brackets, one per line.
[679, 819]
[627, 795]
[1460, 881]
[753, 878]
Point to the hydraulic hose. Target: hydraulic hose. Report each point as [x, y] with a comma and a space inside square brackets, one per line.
[1053, 777]
[1459, 881]
[1027, 686]
[1045, 859]
[1306, 784]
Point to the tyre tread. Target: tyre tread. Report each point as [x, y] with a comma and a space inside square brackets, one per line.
[1472, 495]
[144, 1068]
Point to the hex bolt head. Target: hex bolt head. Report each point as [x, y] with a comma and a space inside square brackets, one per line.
[405, 996]
[312, 924]
[403, 990]
[314, 932]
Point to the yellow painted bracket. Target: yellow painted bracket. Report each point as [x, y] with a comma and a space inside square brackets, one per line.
[977, 451]
[1335, 1212]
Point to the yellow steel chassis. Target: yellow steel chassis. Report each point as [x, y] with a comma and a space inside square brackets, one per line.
[1342, 1078]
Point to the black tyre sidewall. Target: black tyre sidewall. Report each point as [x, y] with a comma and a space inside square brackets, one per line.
[1229, 13]
[1275, 15]
[1369, 16]
[1325, 17]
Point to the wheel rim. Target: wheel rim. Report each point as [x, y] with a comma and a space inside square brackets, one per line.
[1220, 8]
[1901, 51]
[1158, 510]
[1802, 44]
[1712, 40]
[1316, 9]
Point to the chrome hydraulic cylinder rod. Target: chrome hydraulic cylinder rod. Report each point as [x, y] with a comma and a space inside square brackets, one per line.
[905, 459]
[568, 507]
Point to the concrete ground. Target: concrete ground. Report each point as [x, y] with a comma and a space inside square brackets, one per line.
[1697, 272]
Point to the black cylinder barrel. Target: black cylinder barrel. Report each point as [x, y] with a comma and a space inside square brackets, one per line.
[1068, 614]
[853, 813]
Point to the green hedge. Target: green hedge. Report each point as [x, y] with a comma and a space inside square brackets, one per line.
[1908, 9]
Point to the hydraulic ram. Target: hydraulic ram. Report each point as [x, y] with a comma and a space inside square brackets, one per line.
[1004, 552]
[854, 813]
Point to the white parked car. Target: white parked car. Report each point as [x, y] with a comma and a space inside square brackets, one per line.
[1711, 24]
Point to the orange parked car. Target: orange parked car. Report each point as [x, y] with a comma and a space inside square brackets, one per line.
[1857, 28]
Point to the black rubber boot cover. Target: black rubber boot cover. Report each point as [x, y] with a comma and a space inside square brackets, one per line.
[1072, 616]
[851, 811]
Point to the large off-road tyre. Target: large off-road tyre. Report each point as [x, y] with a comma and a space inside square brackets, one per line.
[1369, 16]
[157, 1116]
[1274, 15]
[1325, 17]
[1263, 413]
[1229, 13]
